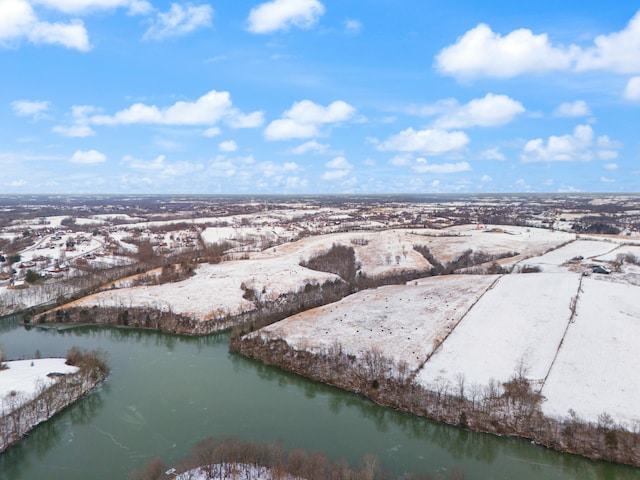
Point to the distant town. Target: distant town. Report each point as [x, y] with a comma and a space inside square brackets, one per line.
[55, 237]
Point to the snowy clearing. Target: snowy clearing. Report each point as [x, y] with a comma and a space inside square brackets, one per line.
[245, 234]
[24, 376]
[403, 323]
[597, 367]
[389, 251]
[214, 291]
[518, 323]
[493, 240]
[236, 471]
[621, 250]
[588, 249]
[378, 253]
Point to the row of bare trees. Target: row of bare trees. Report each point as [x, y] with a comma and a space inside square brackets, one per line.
[509, 408]
[225, 459]
[467, 259]
[22, 413]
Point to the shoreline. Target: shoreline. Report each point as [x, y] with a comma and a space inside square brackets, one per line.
[517, 416]
[23, 414]
[565, 435]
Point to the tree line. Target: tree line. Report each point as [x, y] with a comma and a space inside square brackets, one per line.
[220, 459]
[22, 413]
[508, 408]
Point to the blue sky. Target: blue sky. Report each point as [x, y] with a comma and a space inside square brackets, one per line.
[318, 96]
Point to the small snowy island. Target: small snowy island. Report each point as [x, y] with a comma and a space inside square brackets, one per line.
[33, 391]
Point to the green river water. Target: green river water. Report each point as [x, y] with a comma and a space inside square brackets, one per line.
[166, 392]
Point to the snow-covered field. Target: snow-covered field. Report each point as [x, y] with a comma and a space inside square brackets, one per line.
[377, 252]
[23, 377]
[235, 471]
[248, 234]
[493, 240]
[392, 250]
[479, 327]
[518, 324]
[404, 323]
[274, 216]
[597, 368]
[588, 249]
[621, 250]
[215, 290]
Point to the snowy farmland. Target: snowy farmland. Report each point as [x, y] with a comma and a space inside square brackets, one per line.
[492, 240]
[588, 249]
[216, 290]
[387, 251]
[612, 256]
[517, 324]
[430, 310]
[377, 253]
[597, 367]
[574, 337]
[22, 378]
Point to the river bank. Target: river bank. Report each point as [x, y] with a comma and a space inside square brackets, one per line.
[33, 391]
[511, 409]
[165, 392]
[507, 407]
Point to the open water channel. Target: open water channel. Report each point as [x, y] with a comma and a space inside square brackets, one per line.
[166, 392]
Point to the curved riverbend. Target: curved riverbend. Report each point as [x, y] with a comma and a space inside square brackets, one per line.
[166, 392]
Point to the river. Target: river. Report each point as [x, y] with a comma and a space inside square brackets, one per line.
[166, 392]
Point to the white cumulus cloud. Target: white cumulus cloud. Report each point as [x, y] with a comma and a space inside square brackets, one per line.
[156, 164]
[481, 52]
[286, 128]
[304, 119]
[276, 171]
[161, 169]
[339, 162]
[18, 21]
[90, 157]
[28, 108]
[492, 154]
[277, 15]
[74, 131]
[308, 112]
[227, 146]
[310, 147]
[489, 111]
[210, 108]
[426, 142]
[211, 132]
[423, 166]
[576, 146]
[616, 52]
[249, 120]
[338, 168]
[179, 20]
[579, 108]
[632, 90]
[135, 7]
